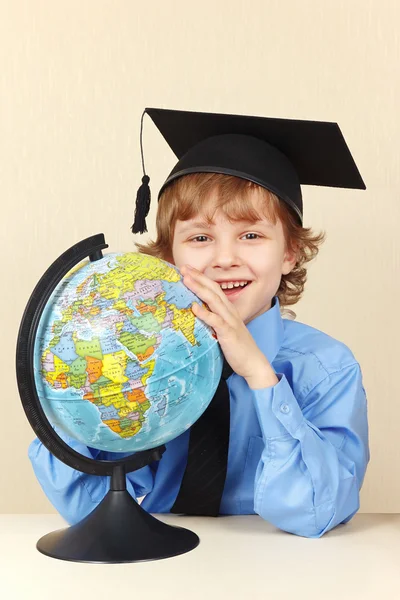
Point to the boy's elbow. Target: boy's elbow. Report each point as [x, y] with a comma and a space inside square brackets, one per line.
[73, 494]
[311, 522]
[303, 524]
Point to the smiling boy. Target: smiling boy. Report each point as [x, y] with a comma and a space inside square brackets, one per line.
[231, 211]
[294, 415]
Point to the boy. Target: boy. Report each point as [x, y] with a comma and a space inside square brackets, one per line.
[296, 412]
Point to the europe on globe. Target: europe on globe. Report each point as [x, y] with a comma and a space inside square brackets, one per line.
[121, 363]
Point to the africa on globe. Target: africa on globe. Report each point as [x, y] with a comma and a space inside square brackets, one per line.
[121, 363]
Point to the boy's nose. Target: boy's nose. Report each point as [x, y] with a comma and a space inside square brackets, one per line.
[226, 258]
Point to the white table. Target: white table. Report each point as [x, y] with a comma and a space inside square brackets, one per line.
[238, 557]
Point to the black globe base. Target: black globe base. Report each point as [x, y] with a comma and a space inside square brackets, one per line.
[119, 530]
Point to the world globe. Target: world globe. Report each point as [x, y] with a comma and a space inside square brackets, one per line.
[121, 363]
[110, 353]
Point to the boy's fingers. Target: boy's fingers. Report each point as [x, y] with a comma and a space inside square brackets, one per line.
[215, 299]
[205, 281]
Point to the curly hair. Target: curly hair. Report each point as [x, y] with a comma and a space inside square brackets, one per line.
[186, 197]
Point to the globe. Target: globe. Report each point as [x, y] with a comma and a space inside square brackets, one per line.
[120, 361]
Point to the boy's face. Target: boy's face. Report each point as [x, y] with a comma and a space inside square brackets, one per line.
[237, 251]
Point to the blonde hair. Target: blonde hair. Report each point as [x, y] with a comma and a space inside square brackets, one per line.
[186, 197]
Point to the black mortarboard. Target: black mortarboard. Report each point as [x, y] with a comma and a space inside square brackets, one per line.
[277, 154]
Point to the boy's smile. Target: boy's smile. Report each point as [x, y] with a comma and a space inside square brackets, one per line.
[233, 253]
[233, 289]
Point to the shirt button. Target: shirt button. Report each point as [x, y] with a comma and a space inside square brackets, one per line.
[285, 408]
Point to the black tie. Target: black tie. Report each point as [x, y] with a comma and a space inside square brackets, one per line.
[204, 478]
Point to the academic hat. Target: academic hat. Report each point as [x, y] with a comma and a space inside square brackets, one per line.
[277, 154]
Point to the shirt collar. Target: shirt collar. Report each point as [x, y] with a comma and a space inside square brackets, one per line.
[267, 330]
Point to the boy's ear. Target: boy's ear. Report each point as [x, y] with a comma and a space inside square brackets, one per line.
[289, 261]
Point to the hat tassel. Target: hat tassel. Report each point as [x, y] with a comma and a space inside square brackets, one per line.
[142, 206]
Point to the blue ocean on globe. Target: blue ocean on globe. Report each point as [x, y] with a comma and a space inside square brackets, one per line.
[121, 363]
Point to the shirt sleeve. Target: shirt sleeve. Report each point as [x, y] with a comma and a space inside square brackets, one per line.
[72, 493]
[314, 459]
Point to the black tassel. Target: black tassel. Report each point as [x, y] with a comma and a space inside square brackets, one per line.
[142, 206]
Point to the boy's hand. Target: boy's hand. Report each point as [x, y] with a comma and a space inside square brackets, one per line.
[237, 343]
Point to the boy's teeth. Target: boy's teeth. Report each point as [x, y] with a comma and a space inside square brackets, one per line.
[230, 284]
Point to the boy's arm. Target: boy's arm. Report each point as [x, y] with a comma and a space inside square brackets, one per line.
[75, 494]
[313, 462]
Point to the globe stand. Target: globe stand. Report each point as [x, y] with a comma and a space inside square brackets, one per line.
[118, 530]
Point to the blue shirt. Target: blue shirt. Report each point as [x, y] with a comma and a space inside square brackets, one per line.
[298, 450]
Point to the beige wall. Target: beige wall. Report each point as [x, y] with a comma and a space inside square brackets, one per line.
[75, 76]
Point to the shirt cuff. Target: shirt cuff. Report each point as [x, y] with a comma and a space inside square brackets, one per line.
[277, 409]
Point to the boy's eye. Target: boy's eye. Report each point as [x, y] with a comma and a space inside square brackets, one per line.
[256, 234]
[197, 237]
